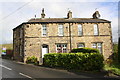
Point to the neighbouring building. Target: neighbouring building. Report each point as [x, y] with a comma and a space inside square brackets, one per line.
[43, 35]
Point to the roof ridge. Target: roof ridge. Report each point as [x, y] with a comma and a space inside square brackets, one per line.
[67, 20]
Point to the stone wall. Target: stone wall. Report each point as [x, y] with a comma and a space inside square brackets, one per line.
[34, 40]
[18, 43]
[28, 40]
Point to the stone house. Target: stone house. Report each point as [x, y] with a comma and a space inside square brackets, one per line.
[43, 35]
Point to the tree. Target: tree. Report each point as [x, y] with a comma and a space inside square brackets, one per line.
[119, 50]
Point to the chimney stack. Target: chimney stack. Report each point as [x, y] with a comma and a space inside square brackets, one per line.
[96, 15]
[43, 14]
[69, 15]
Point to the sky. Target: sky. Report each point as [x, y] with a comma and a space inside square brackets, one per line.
[15, 12]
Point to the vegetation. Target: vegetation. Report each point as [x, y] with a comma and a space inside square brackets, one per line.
[119, 50]
[115, 52]
[114, 66]
[77, 61]
[8, 46]
[32, 60]
[85, 50]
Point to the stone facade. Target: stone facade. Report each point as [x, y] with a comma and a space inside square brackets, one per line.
[28, 39]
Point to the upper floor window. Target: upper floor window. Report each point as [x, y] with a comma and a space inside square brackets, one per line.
[60, 30]
[81, 45]
[96, 29]
[80, 31]
[44, 30]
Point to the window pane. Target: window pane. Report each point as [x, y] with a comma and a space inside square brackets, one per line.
[60, 30]
[100, 49]
[44, 30]
[95, 29]
[94, 45]
[81, 45]
[64, 50]
[80, 30]
[61, 48]
[99, 45]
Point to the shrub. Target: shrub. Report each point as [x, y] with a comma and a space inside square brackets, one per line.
[85, 50]
[119, 50]
[32, 60]
[78, 61]
[115, 52]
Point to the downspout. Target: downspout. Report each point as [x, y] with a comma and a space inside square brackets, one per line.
[23, 37]
[70, 37]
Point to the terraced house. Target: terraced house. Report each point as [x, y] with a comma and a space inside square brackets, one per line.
[40, 36]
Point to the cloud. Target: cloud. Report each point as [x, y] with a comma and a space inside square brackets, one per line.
[54, 8]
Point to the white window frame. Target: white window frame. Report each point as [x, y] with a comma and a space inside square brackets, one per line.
[96, 30]
[80, 30]
[97, 46]
[60, 30]
[62, 47]
[44, 28]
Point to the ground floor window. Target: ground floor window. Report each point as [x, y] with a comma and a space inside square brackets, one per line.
[97, 46]
[81, 45]
[61, 48]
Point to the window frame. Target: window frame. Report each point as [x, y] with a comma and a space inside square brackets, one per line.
[44, 28]
[62, 46]
[97, 46]
[62, 29]
[96, 29]
[80, 30]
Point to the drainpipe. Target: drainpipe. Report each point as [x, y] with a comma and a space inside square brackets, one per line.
[70, 37]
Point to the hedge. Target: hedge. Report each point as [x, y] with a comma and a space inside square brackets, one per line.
[85, 50]
[78, 61]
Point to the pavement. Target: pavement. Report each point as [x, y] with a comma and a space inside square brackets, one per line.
[13, 70]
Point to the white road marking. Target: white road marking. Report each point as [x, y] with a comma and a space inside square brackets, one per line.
[5, 67]
[25, 75]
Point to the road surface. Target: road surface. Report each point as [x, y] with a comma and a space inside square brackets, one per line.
[12, 69]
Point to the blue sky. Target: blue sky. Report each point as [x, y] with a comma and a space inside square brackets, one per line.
[54, 8]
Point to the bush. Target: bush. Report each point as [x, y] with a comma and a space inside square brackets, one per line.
[115, 52]
[32, 60]
[119, 50]
[85, 50]
[78, 61]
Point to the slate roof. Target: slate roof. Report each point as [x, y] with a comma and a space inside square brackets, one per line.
[64, 20]
[59, 20]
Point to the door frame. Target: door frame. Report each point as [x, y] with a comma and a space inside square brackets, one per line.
[42, 47]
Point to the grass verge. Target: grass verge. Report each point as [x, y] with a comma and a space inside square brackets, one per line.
[113, 68]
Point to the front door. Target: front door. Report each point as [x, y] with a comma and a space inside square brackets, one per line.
[44, 50]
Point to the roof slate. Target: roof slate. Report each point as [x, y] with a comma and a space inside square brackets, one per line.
[64, 20]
